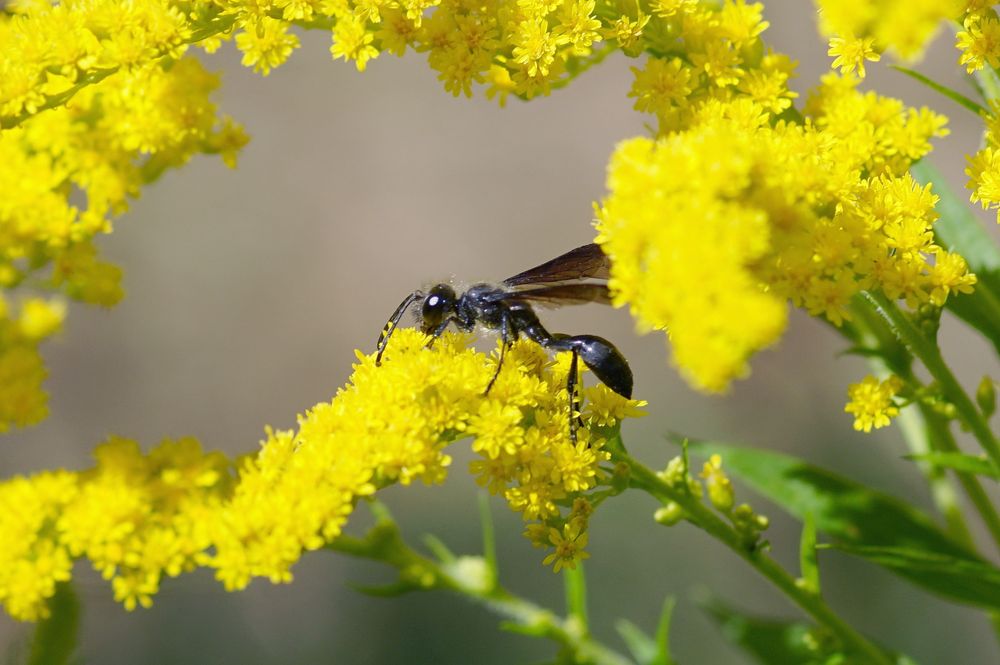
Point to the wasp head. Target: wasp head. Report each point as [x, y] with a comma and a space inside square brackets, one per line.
[438, 305]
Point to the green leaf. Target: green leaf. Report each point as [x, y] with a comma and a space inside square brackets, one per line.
[642, 647]
[959, 230]
[663, 631]
[854, 515]
[960, 579]
[439, 549]
[807, 555]
[771, 641]
[842, 508]
[55, 637]
[953, 95]
[646, 650]
[958, 462]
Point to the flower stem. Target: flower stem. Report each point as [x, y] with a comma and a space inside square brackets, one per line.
[702, 516]
[930, 356]
[54, 641]
[922, 428]
[384, 543]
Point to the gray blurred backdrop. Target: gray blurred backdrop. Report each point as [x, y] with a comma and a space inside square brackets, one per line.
[248, 290]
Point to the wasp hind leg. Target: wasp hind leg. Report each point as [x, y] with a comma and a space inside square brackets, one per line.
[573, 394]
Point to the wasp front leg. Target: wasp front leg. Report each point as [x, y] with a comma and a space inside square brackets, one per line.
[437, 332]
[506, 332]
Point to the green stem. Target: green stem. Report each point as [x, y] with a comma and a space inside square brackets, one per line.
[930, 356]
[566, 632]
[921, 439]
[940, 434]
[868, 330]
[54, 642]
[417, 572]
[705, 518]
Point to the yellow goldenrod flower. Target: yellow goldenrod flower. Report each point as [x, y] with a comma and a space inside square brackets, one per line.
[979, 43]
[40, 319]
[569, 546]
[713, 228]
[535, 47]
[850, 53]
[901, 26]
[266, 45]
[872, 402]
[352, 41]
[139, 517]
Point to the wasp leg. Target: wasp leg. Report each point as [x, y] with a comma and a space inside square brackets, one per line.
[390, 327]
[575, 420]
[505, 341]
[437, 332]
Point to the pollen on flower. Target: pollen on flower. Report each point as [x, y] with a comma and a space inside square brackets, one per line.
[871, 402]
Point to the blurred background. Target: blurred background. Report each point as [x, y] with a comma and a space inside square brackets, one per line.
[248, 290]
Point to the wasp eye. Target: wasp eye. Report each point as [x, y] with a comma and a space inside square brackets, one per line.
[437, 305]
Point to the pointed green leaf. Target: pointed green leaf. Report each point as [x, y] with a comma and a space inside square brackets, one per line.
[959, 579]
[645, 649]
[642, 647]
[953, 95]
[55, 637]
[958, 462]
[439, 549]
[842, 508]
[663, 631]
[770, 641]
[959, 230]
[850, 513]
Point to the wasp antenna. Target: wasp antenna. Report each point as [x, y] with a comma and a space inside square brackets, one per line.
[390, 327]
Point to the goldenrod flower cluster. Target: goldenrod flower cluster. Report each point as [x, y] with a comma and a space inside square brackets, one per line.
[704, 55]
[983, 168]
[139, 517]
[713, 229]
[860, 28]
[123, 106]
[135, 517]
[979, 42]
[22, 400]
[872, 402]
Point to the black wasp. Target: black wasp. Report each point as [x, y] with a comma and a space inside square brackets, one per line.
[565, 280]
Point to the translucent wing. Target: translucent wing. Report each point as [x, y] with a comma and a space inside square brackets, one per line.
[560, 294]
[586, 262]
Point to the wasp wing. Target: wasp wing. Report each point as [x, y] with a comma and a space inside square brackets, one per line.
[559, 294]
[586, 262]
